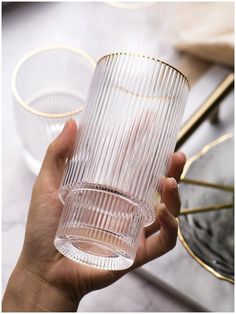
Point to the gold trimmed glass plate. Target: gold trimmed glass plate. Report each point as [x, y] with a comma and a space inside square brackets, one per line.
[209, 236]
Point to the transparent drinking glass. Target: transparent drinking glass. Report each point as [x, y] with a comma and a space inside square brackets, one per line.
[49, 86]
[111, 183]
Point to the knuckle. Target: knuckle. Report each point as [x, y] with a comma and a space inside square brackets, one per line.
[172, 243]
[51, 148]
[173, 226]
[35, 188]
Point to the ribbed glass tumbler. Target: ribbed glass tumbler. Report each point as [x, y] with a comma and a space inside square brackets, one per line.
[111, 183]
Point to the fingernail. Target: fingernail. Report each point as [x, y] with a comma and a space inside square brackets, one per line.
[173, 182]
[183, 154]
[67, 124]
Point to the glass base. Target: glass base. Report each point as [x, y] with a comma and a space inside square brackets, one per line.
[92, 253]
[100, 229]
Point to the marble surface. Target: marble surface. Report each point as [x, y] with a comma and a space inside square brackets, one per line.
[176, 282]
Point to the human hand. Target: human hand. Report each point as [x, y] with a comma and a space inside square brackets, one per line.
[45, 280]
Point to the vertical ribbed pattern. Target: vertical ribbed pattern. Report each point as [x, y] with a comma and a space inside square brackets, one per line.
[128, 128]
[105, 227]
[127, 132]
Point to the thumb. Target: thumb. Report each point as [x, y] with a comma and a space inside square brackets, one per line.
[54, 160]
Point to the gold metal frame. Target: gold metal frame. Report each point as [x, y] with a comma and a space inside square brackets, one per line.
[204, 209]
[205, 109]
[180, 235]
[223, 187]
[31, 54]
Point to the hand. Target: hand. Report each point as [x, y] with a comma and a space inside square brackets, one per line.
[45, 280]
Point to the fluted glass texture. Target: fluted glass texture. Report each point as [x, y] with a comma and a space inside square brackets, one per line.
[50, 85]
[126, 134]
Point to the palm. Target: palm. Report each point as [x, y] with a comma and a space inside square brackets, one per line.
[43, 219]
[54, 265]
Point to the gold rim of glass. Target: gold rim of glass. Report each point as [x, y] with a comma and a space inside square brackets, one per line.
[138, 54]
[180, 235]
[29, 55]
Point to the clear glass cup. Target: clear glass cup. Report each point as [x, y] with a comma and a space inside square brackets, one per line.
[49, 85]
[111, 183]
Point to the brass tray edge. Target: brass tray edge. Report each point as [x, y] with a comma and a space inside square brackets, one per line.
[180, 236]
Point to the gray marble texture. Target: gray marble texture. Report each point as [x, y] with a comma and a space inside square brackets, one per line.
[175, 282]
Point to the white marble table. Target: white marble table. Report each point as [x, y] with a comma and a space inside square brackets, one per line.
[179, 283]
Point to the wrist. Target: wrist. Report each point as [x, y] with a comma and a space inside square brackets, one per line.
[27, 292]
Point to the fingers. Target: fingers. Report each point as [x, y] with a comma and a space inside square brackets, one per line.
[163, 242]
[154, 227]
[57, 152]
[170, 196]
[177, 163]
[169, 190]
[171, 199]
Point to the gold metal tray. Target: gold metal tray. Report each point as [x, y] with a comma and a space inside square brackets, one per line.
[208, 236]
